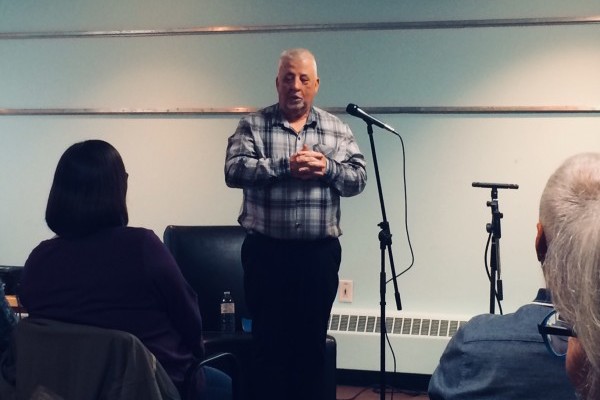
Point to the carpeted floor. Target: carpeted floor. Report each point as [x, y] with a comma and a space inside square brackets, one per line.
[372, 393]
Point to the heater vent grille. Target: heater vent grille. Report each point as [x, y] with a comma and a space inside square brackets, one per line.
[339, 322]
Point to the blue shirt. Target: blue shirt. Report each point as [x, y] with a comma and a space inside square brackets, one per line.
[276, 204]
[502, 357]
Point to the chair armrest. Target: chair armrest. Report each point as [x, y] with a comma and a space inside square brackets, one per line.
[223, 361]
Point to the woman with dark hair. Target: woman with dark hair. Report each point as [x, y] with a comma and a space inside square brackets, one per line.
[89, 190]
[97, 271]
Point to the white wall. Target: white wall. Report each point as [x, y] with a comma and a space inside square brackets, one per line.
[176, 163]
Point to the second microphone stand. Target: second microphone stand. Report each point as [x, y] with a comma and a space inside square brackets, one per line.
[494, 229]
[385, 243]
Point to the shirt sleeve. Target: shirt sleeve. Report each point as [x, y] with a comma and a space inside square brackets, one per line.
[180, 300]
[346, 166]
[246, 165]
[446, 379]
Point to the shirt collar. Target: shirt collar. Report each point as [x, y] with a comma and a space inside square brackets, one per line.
[543, 297]
[311, 120]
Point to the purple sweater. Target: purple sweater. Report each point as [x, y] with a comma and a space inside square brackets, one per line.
[119, 278]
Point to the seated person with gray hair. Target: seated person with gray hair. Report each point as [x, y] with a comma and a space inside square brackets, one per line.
[570, 233]
[503, 356]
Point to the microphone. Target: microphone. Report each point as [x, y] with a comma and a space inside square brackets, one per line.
[355, 110]
[495, 185]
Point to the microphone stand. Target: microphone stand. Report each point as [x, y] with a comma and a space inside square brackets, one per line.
[385, 242]
[495, 230]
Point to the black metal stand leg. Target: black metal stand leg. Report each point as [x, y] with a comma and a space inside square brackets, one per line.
[385, 243]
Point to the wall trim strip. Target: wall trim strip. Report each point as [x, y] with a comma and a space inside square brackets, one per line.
[177, 112]
[248, 29]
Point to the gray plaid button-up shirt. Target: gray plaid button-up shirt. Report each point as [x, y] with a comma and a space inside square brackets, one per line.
[276, 204]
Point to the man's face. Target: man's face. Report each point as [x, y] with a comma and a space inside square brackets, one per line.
[297, 84]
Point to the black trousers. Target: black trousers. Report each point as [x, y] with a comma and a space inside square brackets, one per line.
[290, 286]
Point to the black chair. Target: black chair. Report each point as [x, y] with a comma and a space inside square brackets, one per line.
[10, 276]
[210, 260]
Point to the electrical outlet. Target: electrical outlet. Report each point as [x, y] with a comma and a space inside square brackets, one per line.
[346, 291]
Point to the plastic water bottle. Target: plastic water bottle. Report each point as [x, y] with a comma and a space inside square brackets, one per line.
[227, 313]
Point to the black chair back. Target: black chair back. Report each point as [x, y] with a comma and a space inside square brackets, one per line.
[10, 276]
[210, 259]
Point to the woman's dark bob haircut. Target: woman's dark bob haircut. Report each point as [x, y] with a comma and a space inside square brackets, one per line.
[89, 190]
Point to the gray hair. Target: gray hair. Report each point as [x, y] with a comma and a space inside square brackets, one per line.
[570, 217]
[296, 53]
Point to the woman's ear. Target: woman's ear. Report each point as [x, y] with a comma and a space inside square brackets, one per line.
[541, 246]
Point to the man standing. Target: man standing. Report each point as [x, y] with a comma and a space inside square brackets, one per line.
[293, 161]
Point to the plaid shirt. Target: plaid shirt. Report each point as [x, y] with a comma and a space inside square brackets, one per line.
[277, 205]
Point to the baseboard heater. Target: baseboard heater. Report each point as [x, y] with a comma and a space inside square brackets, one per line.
[416, 340]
